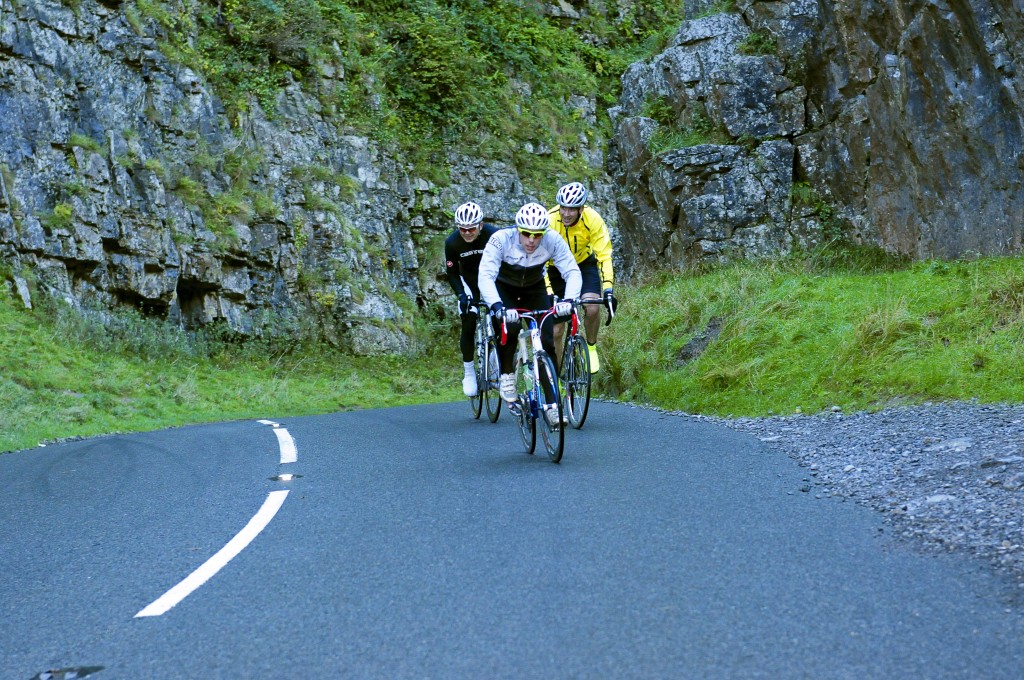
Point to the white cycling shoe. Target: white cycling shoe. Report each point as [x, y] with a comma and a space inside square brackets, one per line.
[508, 387]
[469, 386]
[551, 416]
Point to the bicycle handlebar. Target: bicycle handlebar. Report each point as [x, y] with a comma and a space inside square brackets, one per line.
[529, 314]
[596, 301]
[544, 313]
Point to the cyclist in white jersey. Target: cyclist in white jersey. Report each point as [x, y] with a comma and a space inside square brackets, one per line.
[512, 275]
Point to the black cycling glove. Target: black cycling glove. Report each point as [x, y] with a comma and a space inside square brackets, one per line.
[609, 300]
[465, 305]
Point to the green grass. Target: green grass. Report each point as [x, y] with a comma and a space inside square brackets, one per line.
[62, 377]
[802, 334]
[794, 336]
[423, 74]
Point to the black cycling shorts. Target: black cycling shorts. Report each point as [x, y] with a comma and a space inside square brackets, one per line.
[591, 277]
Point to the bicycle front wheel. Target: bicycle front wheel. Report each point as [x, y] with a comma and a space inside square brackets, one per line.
[492, 373]
[576, 374]
[526, 406]
[476, 401]
[550, 410]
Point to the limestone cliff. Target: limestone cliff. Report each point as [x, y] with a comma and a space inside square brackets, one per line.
[766, 127]
[123, 182]
[891, 123]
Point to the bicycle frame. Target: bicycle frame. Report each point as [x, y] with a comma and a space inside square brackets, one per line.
[578, 319]
[574, 365]
[530, 345]
[574, 371]
[487, 370]
[532, 402]
[581, 301]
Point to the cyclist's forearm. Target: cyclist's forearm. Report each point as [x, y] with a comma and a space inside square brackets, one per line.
[488, 289]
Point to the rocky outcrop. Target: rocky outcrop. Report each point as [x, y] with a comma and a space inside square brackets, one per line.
[777, 126]
[891, 123]
[920, 126]
[123, 182]
[730, 193]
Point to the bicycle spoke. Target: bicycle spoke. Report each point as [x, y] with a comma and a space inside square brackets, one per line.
[527, 421]
[492, 398]
[577, 381]
[550, 413]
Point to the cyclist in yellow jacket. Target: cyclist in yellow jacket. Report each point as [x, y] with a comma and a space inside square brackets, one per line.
[587, 235]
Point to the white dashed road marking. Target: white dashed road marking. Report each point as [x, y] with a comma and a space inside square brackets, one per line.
[287, 444]
[221, 558]
[236, 544]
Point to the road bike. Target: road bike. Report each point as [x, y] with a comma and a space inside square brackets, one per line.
[575, 370]
[485, 365]
[538, 402]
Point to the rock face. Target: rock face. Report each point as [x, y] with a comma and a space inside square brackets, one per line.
[777, 126]
[892, 123]
[122, 182]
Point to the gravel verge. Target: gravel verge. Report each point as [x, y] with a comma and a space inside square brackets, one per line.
[947, 476]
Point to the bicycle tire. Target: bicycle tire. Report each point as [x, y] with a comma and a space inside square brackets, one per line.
[492, 373]
[554, 437]
[576, 374]
[476, 403]
[527, 420]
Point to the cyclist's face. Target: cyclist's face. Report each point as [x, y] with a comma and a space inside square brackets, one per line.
[569, 215]
[529, 241]
[469, 232]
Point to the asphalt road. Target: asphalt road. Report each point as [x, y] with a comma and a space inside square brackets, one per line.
[419, 543]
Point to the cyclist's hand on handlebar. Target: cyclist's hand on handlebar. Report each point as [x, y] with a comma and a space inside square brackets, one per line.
[610, 301]
[563, 308]
[511, 316]
[610, 304]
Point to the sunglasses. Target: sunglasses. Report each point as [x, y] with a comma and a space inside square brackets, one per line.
[470, 229]
[531, 234]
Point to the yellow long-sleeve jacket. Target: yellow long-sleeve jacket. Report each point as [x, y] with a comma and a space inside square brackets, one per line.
[588, 236]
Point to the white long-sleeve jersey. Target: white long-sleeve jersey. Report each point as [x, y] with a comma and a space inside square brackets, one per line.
[505, 260]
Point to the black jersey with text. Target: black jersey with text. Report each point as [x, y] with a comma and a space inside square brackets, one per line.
[462, 259]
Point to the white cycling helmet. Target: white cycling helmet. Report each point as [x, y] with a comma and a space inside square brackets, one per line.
[533, 217]
[468, 213]
[572, 195]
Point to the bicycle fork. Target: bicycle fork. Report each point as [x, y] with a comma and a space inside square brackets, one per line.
[535, 386]
[528, 337]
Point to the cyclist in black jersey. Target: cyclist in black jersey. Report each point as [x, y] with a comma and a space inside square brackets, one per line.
[462, 251]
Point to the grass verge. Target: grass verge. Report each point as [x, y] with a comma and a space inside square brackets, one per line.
[780, 337]
[62, 377]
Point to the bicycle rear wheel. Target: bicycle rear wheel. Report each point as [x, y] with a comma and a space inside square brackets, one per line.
[492, 372]
[576, 374]
[550, 409]
[527, 419]
[476, 401]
